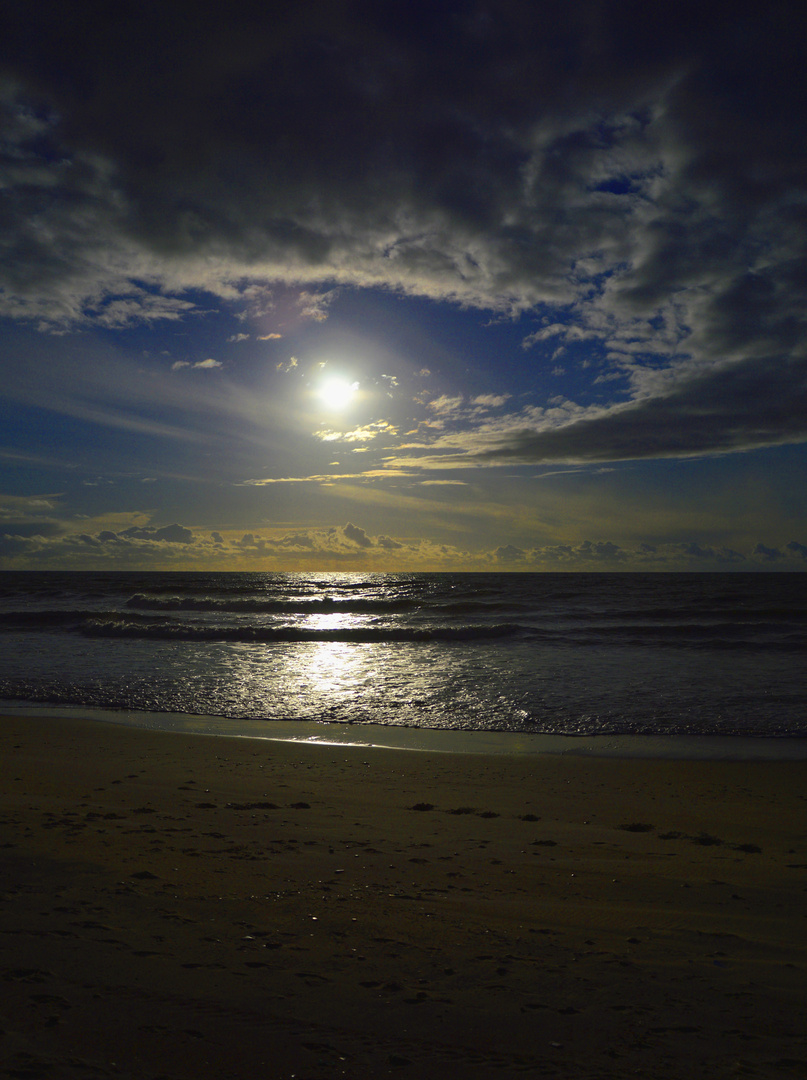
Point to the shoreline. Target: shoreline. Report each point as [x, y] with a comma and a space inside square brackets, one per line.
[179, 906]
[436, 740]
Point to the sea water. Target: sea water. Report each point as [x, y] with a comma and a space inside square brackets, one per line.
[556, 654]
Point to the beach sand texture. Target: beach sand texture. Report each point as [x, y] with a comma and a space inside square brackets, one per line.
[178, 906]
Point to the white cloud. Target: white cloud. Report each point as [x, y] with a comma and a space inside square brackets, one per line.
[204, 365]
[442, 483]
[314, 305]
[445, 405]
[365, 433]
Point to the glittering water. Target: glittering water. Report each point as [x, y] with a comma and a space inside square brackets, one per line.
[575, 654]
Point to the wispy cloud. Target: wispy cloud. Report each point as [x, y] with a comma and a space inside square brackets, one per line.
[365, 433]
[205, 365]
[328, 478]
[314, 305]
[442, 483]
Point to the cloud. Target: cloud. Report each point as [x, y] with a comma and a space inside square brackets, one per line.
[634, 175]
[235, 338]
[357, 535]
[445, 405]
[173, 534]
[728, 408]
[567, 331]
[299, 540]
[365, 433]
[103, 386]
[768, 553]
[689, 555]
[139, 306]
[685, 412]
[52, 546]
[13, 506]
[269, 337]
[384, 473]
[508, 553]
[204, 365]
[315, 305]
[145, 546]
[31, 528]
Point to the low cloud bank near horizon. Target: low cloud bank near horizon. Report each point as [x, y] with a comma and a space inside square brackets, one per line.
[46, 545]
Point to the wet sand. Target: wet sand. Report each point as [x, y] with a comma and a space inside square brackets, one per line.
[181, 906]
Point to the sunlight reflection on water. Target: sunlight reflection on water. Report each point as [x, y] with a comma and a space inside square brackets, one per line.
[335, 669]
[573, 656]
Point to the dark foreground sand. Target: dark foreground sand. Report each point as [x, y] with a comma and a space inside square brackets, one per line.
[180, 906]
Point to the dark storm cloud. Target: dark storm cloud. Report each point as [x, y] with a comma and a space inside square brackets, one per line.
[641, 167]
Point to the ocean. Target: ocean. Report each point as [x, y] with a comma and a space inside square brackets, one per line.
[537, 654]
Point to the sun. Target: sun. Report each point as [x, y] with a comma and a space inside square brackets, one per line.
[337, 393]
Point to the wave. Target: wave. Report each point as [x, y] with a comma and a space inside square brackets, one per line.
[252, 605]
[114, 624]
[66, 620]
[172, 631]
[261, 634]
[164, 624]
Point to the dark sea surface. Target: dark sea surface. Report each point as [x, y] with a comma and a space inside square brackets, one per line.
[563, 654]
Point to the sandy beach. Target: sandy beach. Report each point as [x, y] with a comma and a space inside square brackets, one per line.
[183, 906]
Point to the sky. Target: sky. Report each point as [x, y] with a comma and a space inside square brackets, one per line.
[365, 285]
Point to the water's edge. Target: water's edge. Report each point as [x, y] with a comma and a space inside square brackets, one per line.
[670, 747]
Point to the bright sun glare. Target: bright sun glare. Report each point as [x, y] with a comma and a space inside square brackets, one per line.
[337, 393]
